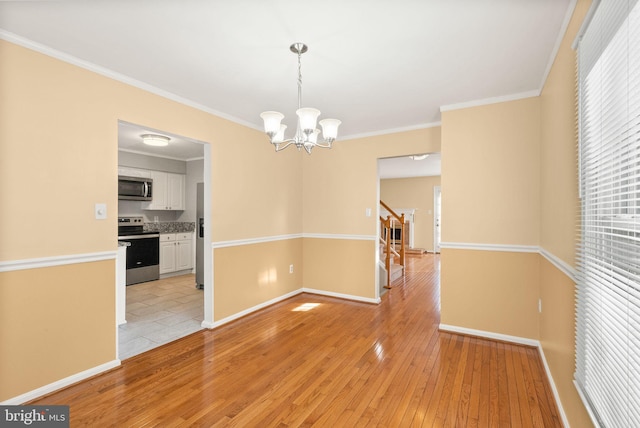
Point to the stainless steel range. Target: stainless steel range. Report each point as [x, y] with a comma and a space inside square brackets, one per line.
[143, 252]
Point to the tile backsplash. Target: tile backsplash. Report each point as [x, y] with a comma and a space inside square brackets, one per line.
[170, 227]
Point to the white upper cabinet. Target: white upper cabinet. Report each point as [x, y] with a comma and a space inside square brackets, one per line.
[175, 191]
[168, 191]
[134, 172]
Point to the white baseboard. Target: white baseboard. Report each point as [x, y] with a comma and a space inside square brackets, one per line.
[520, 341]
[249, 310]
[375, 301]
[52, 387]
[209, 325]
[490, 335]
[563, 415]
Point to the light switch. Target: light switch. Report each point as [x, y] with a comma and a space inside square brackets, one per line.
[367, 212]
[101, 211]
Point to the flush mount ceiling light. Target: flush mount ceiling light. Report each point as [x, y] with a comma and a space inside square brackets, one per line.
[155, 140]
[306, 135]
[419, 157]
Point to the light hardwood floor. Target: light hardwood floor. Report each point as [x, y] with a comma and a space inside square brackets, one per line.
[319, 361]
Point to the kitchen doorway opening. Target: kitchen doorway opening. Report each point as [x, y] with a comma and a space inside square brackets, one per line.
[179, 300]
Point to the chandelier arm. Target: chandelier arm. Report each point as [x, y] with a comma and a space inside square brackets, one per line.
[324, 144]
[283, 145]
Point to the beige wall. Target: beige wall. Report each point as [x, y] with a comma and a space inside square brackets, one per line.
[416, 192]
[559, 164]
[493, 291]
[343, 266]
[557, 337]
[58, 157]
[490, 195]
[491, 173]
[254, 274]
[54, 323]
[559, 219]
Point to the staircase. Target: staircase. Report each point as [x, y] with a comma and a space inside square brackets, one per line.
[396, 270]
[392, 251]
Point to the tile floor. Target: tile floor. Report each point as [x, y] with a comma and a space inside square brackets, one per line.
[159, 312]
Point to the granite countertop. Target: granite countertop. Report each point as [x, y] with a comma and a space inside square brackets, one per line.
[170, 227]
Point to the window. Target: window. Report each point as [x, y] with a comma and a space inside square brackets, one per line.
[608, 298]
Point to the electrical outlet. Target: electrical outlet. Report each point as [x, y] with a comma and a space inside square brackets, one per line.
[540, 305]
[290, 268]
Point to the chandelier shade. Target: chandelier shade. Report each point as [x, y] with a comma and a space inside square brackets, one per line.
[272, 121]
[330, 128]
[306, 136]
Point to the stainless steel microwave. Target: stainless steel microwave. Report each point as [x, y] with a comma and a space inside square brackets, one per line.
[135, 188]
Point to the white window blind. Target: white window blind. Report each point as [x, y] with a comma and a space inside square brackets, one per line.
[608, 298]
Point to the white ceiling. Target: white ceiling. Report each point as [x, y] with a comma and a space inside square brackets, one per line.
[179, 148]
[378, 65]
[406, 166]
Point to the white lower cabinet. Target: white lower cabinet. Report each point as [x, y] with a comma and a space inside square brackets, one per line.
[167, 253]
[176, 252]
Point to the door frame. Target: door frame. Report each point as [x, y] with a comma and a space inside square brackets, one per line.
[437, 217]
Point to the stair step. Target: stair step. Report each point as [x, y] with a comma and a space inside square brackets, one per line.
[397, 271]
[415, 251]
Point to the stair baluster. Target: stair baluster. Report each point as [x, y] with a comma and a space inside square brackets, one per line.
[387, 236]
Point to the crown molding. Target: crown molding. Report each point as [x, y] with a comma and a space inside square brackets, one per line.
[391, 131]
[493, 100]
[554, 52]
[103, 71]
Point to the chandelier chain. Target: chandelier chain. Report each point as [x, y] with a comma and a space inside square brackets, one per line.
[299, 80]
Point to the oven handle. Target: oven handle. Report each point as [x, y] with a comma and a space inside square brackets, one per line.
[128, 237]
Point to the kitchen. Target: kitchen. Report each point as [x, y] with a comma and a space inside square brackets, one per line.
[160, 283]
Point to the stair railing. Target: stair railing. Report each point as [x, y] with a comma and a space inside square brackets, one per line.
[387, 237]
[385, 232]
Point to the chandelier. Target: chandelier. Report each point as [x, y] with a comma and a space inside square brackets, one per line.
[306, 134]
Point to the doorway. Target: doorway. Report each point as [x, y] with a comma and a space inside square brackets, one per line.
[163, 310]
[406, 184]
